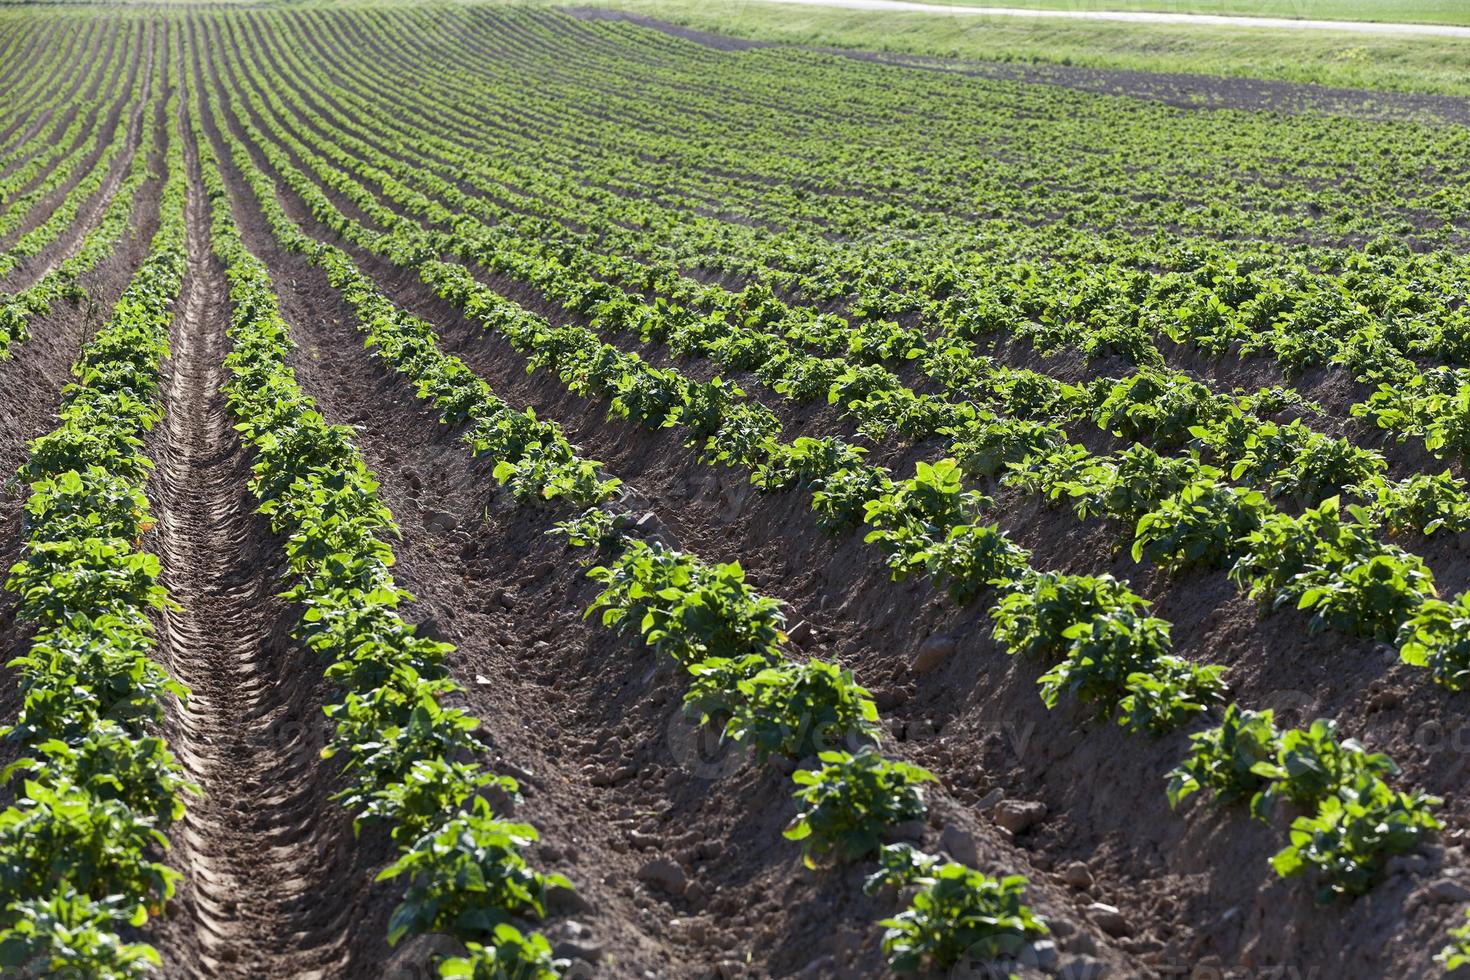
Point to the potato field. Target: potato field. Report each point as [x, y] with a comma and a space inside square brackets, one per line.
[509, 492]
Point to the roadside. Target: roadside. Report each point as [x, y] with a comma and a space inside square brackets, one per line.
[1231, 21]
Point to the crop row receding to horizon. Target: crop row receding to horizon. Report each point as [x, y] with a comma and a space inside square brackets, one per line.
[508, 493]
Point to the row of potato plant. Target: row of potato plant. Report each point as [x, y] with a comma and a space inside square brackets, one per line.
[62, 148]
[970, 297]
[86, 183]
[927, 524]
[40, 86]
[81, 847]
[1369, 588]
[738, 429]
[1350, 820]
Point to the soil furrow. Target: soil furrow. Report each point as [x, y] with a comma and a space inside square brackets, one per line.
[258, 848]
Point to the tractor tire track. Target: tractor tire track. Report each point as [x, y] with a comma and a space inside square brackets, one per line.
[258, 849]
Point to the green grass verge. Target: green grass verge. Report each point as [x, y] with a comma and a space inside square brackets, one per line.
[1412, 64]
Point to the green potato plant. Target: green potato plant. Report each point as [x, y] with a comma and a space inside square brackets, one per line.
[845, 806]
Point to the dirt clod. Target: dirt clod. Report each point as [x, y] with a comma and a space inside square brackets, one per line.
[1077, 875]
[1447, 890]
[1019, 816]
[933, 652]
[664, 874]
[1109, 919]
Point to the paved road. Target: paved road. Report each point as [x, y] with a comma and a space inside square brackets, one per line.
[1210, 20]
